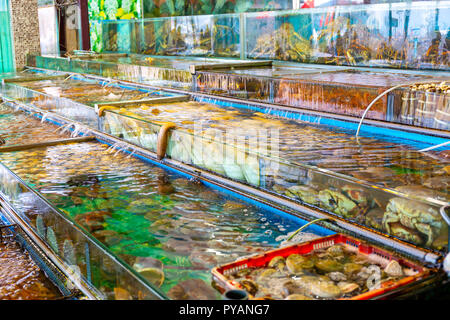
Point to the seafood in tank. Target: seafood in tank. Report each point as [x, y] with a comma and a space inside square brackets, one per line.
[322, 269]
[352, 37]
[170, 229]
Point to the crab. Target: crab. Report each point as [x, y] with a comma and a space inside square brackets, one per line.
[374, 218]
[415, 215]
[356, 194]
[438, 183]
[399, 230]
[338, 203]
[304, 193]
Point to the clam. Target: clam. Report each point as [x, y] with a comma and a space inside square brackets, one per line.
[319, 287]
[393, 269]
[298, 297]
[250, 286]
[266, 273]
[352, 268]
[335, 251]
[295, 263]
[348, 287]
[290, 287]
[278, 262]
[328, 265]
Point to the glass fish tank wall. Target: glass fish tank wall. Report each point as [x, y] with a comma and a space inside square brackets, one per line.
[86, 257]
[210, 35]
[406, 35]
[76, 97]
[216, 36]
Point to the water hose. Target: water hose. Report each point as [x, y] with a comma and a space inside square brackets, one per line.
[435, 147]
[305, 226]
[70, 76]
[110, 83]
[163, 137]
[386, 92]
[100, 110]
[444, 214]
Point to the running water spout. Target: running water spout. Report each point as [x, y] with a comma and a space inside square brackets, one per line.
[119, 147]
[44, 116]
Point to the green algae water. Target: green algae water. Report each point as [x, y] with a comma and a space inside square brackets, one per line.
[170, 229]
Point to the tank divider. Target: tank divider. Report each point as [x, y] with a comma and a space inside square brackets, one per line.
[101, 55]
[146, 101]
[29, 79]
[46, 144]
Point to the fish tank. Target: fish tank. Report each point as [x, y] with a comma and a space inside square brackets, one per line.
[161, 71]
[138, 231]
[87, 259]
[365, 179]
[76, 97]
[134, 228]
[406, 35]
[343, 91]
[330, 170]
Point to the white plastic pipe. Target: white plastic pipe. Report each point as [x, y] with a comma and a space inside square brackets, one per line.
[435, 147]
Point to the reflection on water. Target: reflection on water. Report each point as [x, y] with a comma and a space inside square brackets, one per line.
[172, 230]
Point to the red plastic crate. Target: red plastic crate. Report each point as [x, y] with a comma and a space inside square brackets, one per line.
[377, 255]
